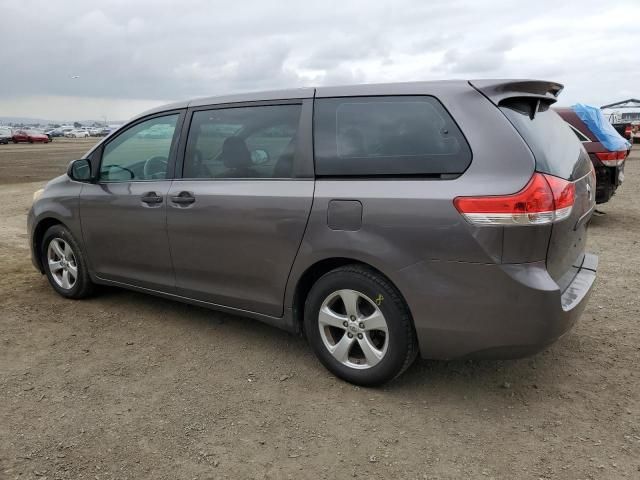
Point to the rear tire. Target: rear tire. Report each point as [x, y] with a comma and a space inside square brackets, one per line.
[359, 326]
[65, 263]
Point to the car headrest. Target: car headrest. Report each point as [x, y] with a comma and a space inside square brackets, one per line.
[235, 153]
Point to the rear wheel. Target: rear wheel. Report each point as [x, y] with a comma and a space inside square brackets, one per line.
[359, 326]
[65, 263]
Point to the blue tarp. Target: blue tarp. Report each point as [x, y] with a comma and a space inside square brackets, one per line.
[601, 128]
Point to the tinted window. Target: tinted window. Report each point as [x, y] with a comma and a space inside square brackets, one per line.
[244, 142]
[387, 136]
[554, 145]
[140, 152]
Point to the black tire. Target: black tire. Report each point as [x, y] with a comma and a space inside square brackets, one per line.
[83, 286]
[402, 346]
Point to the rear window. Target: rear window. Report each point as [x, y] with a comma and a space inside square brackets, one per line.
[408, 135]
[554, 145]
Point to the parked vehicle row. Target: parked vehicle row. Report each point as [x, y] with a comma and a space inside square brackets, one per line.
[356, 215]
[31, 135]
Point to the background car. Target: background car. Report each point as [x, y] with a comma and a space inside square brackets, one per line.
[56, 132]
[5, 135]
[607, 152]
[76, 133]
[29, 136]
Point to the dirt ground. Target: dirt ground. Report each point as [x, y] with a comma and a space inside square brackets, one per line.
[130, 386]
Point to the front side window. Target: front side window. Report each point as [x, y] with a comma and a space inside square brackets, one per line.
[141, 152]
[242, 142]
[395, 135]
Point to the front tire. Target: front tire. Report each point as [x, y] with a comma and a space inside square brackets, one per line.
[65, 263]
[359, 326]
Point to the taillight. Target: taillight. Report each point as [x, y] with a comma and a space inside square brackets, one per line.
[544, 200]
[612, 159]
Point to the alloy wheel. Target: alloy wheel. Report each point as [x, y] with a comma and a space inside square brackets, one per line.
[62, 263]
[353, 329]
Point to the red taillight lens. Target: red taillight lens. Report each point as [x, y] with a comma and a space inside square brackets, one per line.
[612, 159]
[544, 200]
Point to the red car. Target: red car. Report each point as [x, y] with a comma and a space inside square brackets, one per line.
[27, 136]
[609, 165]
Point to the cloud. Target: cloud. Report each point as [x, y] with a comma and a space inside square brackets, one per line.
[161, 49]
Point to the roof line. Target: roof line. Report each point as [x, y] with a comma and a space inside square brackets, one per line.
[621, 102]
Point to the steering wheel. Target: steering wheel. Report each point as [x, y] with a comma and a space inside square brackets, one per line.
[155, 168]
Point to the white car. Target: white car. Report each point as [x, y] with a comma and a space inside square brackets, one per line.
[5, 135]
[77, 133]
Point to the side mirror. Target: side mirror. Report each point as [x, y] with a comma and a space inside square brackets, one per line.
[80, 170]
[259, 157]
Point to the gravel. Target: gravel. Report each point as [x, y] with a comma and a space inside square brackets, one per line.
[130, 386]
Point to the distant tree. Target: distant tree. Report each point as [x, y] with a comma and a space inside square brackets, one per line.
[77, 125]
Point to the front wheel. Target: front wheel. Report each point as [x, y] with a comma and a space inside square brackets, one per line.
[65, 263]
[359, 326]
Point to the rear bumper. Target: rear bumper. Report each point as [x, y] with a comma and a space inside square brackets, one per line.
[608, 179]
[491, 311]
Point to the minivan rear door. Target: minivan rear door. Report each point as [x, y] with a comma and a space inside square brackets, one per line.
[559, 153]
[237, 216]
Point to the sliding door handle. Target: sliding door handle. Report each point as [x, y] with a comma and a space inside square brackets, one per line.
[151, 198]
[183, 198]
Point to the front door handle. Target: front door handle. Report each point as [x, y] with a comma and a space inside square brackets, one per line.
[151, 198]
[183, 198]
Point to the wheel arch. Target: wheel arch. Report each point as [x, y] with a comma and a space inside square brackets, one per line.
[38, 234]
[316, 270]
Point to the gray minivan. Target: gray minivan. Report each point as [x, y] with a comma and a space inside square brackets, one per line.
[382, 221]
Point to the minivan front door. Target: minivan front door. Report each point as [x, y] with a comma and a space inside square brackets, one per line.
[237, 217]
[123, 214]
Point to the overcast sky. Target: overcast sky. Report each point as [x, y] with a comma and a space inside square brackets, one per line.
[130, 55]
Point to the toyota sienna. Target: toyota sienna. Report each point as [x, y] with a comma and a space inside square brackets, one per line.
[446, 218]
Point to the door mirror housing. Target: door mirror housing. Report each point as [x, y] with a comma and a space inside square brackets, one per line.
[80, 170]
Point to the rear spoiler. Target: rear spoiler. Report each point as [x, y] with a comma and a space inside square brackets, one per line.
[534, 90]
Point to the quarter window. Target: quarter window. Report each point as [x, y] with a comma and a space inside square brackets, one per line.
[141, 152]
[242, 142]
[408, 135]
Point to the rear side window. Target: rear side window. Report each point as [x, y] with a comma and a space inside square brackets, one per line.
[242, 142]
[407, 135]
[554, 145]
